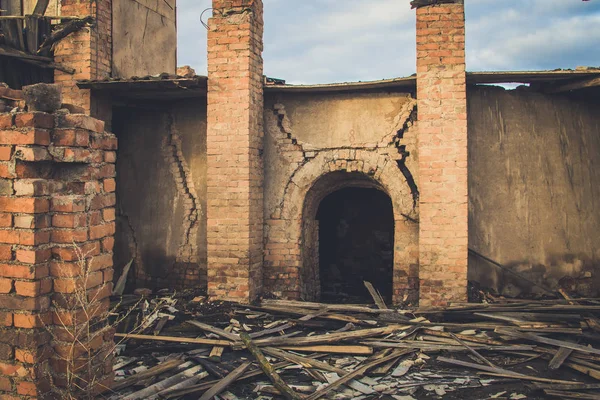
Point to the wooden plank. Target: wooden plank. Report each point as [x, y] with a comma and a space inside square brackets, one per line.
[217, 351]
[500, 372]
[41, 7]
[587, 83]
[216, 331]
[545, 340]
[306, 362]
[561, 355]
[267, 368]
[228, 380]
[356, 350]
[157, 370]
[212, 342]
[376, 296]
[332, 338]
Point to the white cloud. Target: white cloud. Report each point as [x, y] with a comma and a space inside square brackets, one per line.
[317, 41]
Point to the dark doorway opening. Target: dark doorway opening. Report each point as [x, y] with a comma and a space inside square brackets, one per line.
[356, 244]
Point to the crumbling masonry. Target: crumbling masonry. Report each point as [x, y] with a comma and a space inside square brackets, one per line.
[230, 183]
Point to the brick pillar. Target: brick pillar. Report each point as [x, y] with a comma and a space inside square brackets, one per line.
[442, 121]
[88, 51]
[234, 147]
[56, 238]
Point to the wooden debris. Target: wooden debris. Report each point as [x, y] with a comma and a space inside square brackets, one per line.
[331, 350]
[267, 368]
[376, 296]
[225, 382]
[561, 355]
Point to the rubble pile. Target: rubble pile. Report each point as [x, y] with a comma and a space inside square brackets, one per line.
[173, 346]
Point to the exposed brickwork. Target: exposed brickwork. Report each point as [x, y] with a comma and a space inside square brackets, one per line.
[291, 231]
[234, 149]
[88, 51]
[56, 189]
[441, 93]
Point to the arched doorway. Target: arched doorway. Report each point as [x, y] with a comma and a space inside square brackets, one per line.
[356, 244]
[348, 237]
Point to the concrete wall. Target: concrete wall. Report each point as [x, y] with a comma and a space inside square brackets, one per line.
[534, 182]
[144, 37]
[161, 218]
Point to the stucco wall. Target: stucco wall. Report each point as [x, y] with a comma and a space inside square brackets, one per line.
[144, 37]
[161, 185]
[534, 182]
[339, 140]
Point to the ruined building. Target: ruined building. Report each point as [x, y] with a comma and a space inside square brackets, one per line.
[247, 186]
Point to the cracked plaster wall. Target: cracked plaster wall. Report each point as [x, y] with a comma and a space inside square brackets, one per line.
[309, 136]
[534, 182]
[161, 170]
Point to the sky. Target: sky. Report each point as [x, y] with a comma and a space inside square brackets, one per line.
[325, 41]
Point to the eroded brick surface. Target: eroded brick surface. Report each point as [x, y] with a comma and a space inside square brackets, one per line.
[234, 147]
[442, 127]
[88, 51]
[43, 213]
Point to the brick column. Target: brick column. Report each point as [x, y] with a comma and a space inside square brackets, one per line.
[88, 51]
[441, 94]
[234, 147]
[56, 238]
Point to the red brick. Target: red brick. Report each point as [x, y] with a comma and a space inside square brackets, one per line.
[28, 288]
[6, 285]
[71, 137]
[100, 231]
[25, 388]
[5, 153]
[9, 236]
[25, 136]
[69, 235]
[81, 121]
[5, 384]
[68, 204]
[34, 120]
[6, 318]
[30, 321]
[103, 201]
[24, 205]
[6, 120]
[108, 243]
[69, 220]
[5, 220]
[33, 237]
[108, 214]
[70, 253]
[33, 256]
[110, 185]
[110, 157]
[17, 271]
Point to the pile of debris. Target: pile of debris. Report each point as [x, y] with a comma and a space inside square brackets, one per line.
[185, 348]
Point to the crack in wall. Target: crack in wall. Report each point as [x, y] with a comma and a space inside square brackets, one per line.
[404, 154]
[172, 149]
[132, 242]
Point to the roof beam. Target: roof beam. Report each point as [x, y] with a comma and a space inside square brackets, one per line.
[587, 83]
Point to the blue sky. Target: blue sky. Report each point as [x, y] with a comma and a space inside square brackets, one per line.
[321, 41]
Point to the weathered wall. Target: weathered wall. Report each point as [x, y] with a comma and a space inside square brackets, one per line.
[146, 29]
[316, 144]
[161, 184]
[534, 182]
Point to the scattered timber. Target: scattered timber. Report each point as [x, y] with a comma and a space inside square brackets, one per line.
[171, 347]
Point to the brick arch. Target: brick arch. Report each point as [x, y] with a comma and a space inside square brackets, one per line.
[288, 270]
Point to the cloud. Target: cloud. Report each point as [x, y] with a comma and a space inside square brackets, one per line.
[319, 41]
